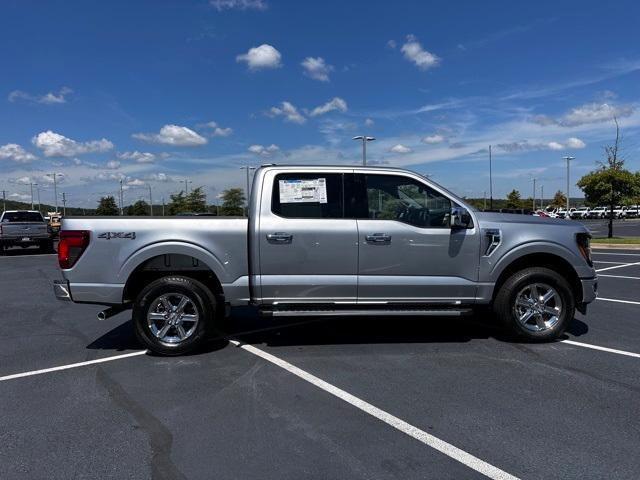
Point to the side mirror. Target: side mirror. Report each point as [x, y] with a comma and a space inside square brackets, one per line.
[460, 218]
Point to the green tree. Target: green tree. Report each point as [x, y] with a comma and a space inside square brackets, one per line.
[196, 201]
[559, 200]
[178, 203]
[232, 202]
[107, 206]
[139, 208]
[514, 200]
[610, 183]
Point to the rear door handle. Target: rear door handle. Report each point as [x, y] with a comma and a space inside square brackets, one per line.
[279, 237]
[378, 238]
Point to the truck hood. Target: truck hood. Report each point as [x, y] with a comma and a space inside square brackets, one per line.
[493, 218]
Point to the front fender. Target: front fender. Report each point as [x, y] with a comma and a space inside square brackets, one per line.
[545, 247]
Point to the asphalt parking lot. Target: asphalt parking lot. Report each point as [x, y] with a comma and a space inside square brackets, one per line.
[342, 398]
[621, 228]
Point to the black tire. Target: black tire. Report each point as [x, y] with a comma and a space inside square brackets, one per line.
[504, 304]
[203, 303]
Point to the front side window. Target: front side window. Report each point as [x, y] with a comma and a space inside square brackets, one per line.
[308, 195]
[394, 197]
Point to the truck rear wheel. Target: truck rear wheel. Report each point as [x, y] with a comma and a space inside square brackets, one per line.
[535, 304]
[173, 314]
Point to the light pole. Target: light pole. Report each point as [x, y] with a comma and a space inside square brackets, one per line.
[4, 200]
[31, 184]
[534, 194]
[186, 185]
[150, 201]
[247, 169]
[55, 188]
[38, 193]
[364, 139]
[64, 204]
[568, 159]
[490, 180]
[121, 198]
[541, 197]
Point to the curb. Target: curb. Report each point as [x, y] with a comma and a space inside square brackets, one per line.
[615, 246]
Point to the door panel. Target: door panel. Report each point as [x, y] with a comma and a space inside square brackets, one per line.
[307, 260]
[408, 252]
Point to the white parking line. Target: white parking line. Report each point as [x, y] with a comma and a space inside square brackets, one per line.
[434, 442]
[616, 263]
[617, 266]
[604, 349]
[71, 365]
[618, 301]
[619, 276]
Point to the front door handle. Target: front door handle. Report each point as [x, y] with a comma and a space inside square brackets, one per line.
[378, 238]
[279, 237]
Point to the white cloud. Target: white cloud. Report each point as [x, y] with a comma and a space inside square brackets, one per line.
[14, 152]
[574, 142]
[216, 130]
[433, 139]
[50, 98]
[555, 146]
[595, 113]
[221, 5]
[392, 44]
[113, 165]
[136, 182]
[316, 68]
[288, 111]
[399, 148]
[264, 151]
[334, 104]
[138, 157]
[586, 114]
[55, 145]
[414, 52]
[173, 135]
[258, 58]
[158, 177]
[20, 196]
[368, 122]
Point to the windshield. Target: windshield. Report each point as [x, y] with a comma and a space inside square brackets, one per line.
[22, 217]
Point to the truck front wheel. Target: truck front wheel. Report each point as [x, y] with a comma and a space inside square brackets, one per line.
[172, 315]
[535, 304]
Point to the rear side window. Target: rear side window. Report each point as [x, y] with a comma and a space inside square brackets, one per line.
[22, 217]
[308, 195]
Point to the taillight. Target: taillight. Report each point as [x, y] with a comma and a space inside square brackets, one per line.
[584, 245]
[72, 244]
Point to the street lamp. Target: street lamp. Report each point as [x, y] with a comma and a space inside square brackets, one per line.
[186, 185]
[534, 193]
[150, 201]
[247, 170]
[568, 159]
[31, 184]
[55, 187]
[364, 139]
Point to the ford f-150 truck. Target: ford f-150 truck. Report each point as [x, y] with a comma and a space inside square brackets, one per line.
[322, 241]
[24, 228]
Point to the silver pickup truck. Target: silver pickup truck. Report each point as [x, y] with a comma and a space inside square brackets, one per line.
[24, 228]
[323, 241]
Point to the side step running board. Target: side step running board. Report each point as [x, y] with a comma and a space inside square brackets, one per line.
[448, 312]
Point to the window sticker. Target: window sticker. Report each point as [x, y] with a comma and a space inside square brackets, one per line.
[303, 191]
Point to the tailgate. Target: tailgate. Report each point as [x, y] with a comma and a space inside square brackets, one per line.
[24, 230]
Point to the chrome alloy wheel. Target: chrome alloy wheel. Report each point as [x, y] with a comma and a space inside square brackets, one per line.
[172, 318]
[538, 307]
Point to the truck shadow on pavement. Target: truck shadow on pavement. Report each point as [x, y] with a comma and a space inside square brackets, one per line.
[248, 327]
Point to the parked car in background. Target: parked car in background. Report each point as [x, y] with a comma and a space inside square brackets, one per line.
[329, 241]
[24, 228]
[620, 212]
[633, 211]
[580, 213]
[598, 212]
[540, 213]
[551, 212]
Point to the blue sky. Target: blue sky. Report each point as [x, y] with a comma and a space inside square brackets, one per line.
[157, 91]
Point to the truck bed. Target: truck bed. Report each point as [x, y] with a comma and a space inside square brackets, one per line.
[120, 245]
